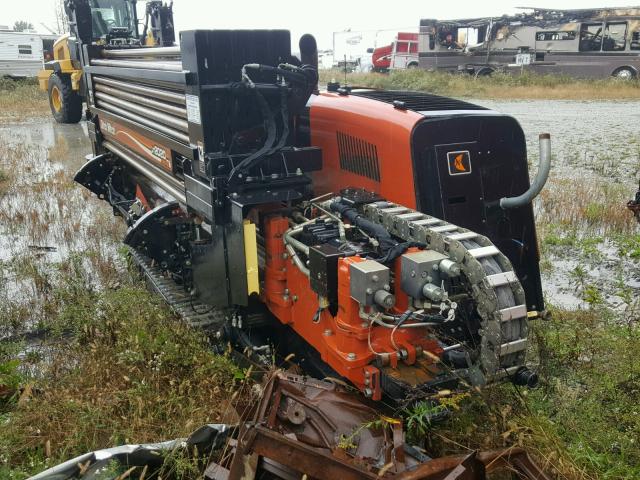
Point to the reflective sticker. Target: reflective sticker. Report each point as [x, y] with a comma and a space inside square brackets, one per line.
[201, 158]
[193, 109]
[459, 162]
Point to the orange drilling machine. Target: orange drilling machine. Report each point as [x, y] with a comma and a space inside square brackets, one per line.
[385, 237]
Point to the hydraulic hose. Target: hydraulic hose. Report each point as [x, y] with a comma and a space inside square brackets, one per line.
[398, 322]
[391, 248]
[296, 259]
[290, 240]
[378, 231]
[271, 128]
[540, 180]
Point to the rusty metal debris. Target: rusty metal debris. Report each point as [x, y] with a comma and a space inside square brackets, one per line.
[306, 428]
[318, 429]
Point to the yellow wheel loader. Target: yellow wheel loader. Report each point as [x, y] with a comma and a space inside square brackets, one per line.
[62, 79]
[97, 22]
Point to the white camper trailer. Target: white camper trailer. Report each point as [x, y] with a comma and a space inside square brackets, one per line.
[21, 53]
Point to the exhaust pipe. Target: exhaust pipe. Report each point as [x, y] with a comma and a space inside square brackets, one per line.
[308, 50]
[309, 53]
[540, 180]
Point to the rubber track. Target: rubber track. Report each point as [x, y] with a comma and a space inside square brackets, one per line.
[194, 313]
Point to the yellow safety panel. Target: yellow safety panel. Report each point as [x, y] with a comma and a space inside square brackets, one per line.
[62, 56]
[150, 41]
[76, 76]
[251, 257]
[43, 79]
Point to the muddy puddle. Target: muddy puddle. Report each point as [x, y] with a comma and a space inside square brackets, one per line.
[48, 224]
[49, 228]
[589, 240]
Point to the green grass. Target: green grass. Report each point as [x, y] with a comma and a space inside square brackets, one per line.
[583, 421]
[498, 86]
[628, 245]
[594, 384]
[560, 237]
[123, 370]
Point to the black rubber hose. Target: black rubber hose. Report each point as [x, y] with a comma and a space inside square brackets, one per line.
[373, 229]
[272, 131]
[298, 77]
[391, 248]
[284, 114]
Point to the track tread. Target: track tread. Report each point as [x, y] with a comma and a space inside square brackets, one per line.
[194, 313]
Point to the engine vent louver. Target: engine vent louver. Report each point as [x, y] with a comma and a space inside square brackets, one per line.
[417, 101]
[358, 156]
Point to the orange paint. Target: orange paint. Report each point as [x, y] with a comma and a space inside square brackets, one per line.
[152, 151]
[371, 121]
[343, 340]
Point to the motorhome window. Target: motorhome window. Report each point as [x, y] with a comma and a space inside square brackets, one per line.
[635, 40]
[615, 37]
[550, 36]
[24, 49]
[471, 36]
[448, 38]
[591, 37]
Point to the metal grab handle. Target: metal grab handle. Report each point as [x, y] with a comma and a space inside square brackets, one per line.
[540, 180]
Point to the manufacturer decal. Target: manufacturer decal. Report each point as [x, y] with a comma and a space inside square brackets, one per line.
[459, 162]
[107, 127]
[201, 159]
[159, 152]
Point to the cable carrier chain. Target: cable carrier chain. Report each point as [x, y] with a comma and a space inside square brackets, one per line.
[327, 224]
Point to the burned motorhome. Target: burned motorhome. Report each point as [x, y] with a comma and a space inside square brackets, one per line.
[583, 43]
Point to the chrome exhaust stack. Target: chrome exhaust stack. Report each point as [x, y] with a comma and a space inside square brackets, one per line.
[539, 182]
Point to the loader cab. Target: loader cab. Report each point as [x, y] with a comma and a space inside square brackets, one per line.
[113, 20]
[101, 21]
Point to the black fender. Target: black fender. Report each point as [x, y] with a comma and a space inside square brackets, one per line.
[162, 235]
[94, 174]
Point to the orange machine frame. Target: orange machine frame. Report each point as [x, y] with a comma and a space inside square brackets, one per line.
[346, 342]
[380, 124]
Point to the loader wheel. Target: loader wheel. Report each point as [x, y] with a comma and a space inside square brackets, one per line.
[65, 103]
